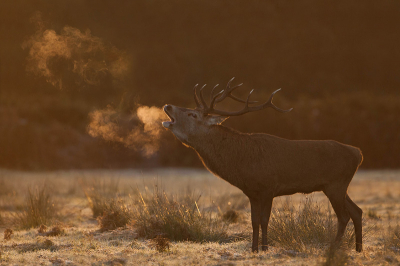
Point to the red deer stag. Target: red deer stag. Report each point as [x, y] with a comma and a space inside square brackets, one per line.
[265, 166]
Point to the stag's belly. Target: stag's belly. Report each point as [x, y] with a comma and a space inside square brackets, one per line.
[306, 189]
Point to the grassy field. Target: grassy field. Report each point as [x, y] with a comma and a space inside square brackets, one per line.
[185, 216]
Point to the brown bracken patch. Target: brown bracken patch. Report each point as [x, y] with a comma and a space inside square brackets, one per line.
[161, 243]
[42, 229]
[55, 231]
[7, 234]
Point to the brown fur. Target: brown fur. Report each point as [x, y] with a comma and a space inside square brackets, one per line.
[265, 166]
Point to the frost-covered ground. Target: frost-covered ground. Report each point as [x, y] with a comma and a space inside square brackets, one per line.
[376, 192]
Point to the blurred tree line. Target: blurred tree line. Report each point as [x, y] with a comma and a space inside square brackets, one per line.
[337, 63]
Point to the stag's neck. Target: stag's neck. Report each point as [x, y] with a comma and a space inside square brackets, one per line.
[214, 140]
[218, 150]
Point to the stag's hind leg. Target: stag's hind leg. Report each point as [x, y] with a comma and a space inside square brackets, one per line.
[337, 197]
[356, 216]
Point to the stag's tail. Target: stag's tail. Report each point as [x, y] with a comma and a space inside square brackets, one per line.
[360, 155]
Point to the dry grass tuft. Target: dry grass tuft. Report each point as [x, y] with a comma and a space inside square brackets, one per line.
[311, 226]
[161, 243]
[99, 193]
[335, 257]
[39, 208]
[116, 214]
[373, 214]
[231, 216]
[98, 204]
[392, 239]
[7, 234]
[178, 219]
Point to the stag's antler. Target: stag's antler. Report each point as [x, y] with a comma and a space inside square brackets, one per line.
[220, 96]
[215, 98]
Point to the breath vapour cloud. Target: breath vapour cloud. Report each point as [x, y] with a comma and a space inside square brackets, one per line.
[73, 54]
[77, 56]
[140, 131]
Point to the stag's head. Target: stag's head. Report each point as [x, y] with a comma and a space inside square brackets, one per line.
[187, 124]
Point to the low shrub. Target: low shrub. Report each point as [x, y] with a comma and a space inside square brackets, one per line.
[392, 239]
[98, 204]
[111, 211]
[335, 257]
[39, 208]
[176, 218]
[99, 193]
[310, 226]
[116, 214]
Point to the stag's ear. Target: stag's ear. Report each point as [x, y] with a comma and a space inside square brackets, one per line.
[215, 119]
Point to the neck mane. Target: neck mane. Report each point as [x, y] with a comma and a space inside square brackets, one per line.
[218, 149]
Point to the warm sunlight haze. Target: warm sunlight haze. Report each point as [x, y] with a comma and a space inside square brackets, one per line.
[199, 132]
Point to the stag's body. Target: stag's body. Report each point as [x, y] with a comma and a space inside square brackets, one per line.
[265, 166]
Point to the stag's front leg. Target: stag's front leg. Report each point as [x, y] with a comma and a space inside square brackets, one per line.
[265, 214]
[255, 222]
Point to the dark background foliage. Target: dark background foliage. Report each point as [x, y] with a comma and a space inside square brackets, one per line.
[337, 63]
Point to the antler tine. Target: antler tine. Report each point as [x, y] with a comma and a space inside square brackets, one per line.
[248, 98]
[203, 102]
[246, 107]
[196, 99]
[212, 92]
[214, 98]
[274, 106]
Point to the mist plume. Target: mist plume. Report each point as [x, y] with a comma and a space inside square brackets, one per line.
[73, 56]
[140, 131]
[75, 59]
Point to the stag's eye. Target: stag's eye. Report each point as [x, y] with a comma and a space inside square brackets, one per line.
[192, 115]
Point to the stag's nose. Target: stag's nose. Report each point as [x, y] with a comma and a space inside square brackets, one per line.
[168, 108]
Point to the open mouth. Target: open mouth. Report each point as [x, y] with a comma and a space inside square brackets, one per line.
[167, 124]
